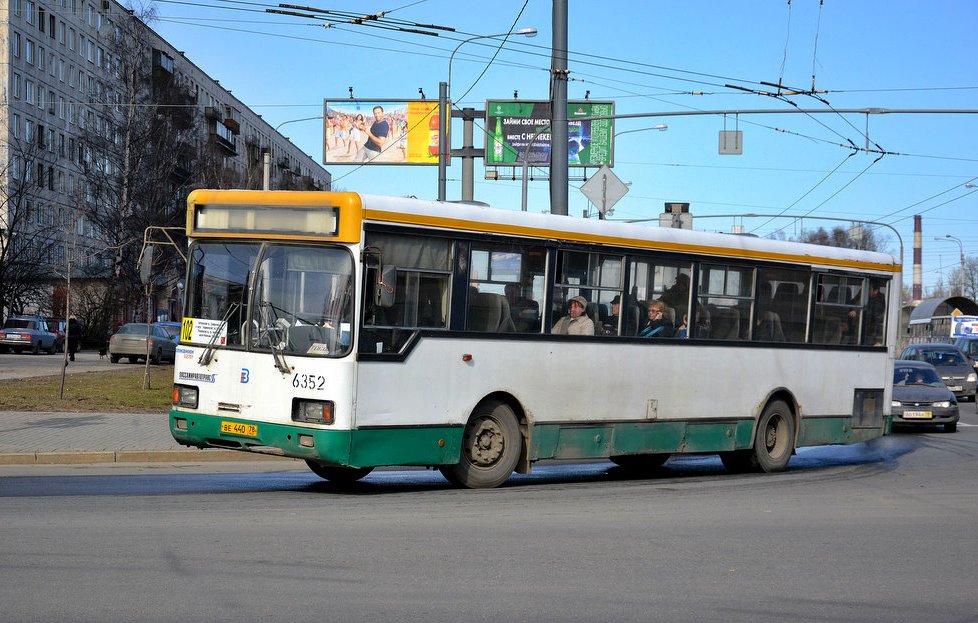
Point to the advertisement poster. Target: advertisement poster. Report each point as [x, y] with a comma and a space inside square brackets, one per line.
[380, 132]
[964, 326]
[519, 131]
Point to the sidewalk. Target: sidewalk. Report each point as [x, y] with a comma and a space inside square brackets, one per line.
[32, 438]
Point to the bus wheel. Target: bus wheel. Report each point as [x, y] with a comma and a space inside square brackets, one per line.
[491, 446]
[640, 462]
[337, 474]
[773, 443]
[775, 439]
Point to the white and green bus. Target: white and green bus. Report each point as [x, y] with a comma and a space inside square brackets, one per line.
[356, 331]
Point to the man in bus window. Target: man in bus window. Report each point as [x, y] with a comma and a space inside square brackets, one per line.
[576, 322]
[875, 313]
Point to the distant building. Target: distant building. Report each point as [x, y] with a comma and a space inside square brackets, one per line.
[61, 80]
[931, 319]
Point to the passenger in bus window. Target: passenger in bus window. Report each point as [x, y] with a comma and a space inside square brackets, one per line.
[676, 296]
[658, 324]
[875, 313]
[576, 322]
[610, 325]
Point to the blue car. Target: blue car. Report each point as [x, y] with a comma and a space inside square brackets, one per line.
[31, 333]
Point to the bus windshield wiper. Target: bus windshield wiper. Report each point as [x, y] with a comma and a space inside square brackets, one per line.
[208, 354]
[278, 353]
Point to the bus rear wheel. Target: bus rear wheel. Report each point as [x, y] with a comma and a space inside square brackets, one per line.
[773, 443]
[491, 447]
[337, 474]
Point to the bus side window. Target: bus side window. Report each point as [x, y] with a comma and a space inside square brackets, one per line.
[505, 287]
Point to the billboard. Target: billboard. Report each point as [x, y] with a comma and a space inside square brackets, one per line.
[380, 131]
[519, 131]
[964, 326]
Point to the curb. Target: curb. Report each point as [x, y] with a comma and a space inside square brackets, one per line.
[81, 457]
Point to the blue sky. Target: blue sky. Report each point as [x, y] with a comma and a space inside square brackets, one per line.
[651, 57]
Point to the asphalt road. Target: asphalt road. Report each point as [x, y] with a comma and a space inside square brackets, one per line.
[880, 531]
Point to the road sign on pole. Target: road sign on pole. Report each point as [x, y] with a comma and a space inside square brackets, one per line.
[604, 189]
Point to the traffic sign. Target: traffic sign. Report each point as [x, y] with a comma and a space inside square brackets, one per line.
[604, 189]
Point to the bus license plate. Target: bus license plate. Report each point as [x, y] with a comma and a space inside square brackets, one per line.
[237, 428]
[917, 415]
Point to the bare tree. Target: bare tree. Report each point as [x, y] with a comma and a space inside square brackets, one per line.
[29, 228]
[863, 237]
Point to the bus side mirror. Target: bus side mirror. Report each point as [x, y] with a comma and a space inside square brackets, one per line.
[384, 288]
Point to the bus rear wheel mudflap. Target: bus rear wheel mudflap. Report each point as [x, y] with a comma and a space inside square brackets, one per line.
[491, 447]
[337, 474]
[774, 442]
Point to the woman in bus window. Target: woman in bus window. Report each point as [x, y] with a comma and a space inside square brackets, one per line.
[658, 324]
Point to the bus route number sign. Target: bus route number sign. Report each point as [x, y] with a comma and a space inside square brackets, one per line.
[203, 330]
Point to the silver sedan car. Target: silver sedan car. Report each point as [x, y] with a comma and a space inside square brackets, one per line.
[130, 342]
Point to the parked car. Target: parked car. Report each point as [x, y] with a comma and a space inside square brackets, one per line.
[59, 328]
[920, 397]
[172, 328]
[969, 346]
[26, 332]
[130, 342]
[956, 371]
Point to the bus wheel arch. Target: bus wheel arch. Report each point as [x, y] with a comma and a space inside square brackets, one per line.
[493, 444]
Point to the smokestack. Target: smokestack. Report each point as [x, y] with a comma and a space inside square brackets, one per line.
[917, 263]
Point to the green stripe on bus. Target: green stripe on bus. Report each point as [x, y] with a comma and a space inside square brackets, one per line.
[358, 448]
[440, 445]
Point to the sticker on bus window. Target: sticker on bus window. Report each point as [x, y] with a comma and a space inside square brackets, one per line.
[202, 331]
[318, 349]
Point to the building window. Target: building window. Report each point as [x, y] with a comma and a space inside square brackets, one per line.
[71, 38]
[61, 33]
[15, 127]
[42, 17]
[15, 45]
[29, 7]
[40, 58]
[29, 52]
[29, 90]
[15, 86]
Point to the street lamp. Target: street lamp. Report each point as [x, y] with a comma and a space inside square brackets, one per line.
[949, 237]
[444, 114]
[661, 128]
[267, 156]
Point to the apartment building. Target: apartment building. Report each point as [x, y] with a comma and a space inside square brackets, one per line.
[67, 74]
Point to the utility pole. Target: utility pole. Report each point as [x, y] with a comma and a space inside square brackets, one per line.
[558, 111]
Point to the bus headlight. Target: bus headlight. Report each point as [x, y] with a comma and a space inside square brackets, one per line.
[185, 396]
[312, 411]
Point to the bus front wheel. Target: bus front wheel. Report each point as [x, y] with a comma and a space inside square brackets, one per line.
[773, 443]
[337, 474]
[491, 446]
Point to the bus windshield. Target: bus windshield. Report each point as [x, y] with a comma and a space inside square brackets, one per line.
[290, 299]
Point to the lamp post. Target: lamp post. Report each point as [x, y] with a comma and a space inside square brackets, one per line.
[949, 237]
[661, 128]
[267, 157]
[444, 97]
